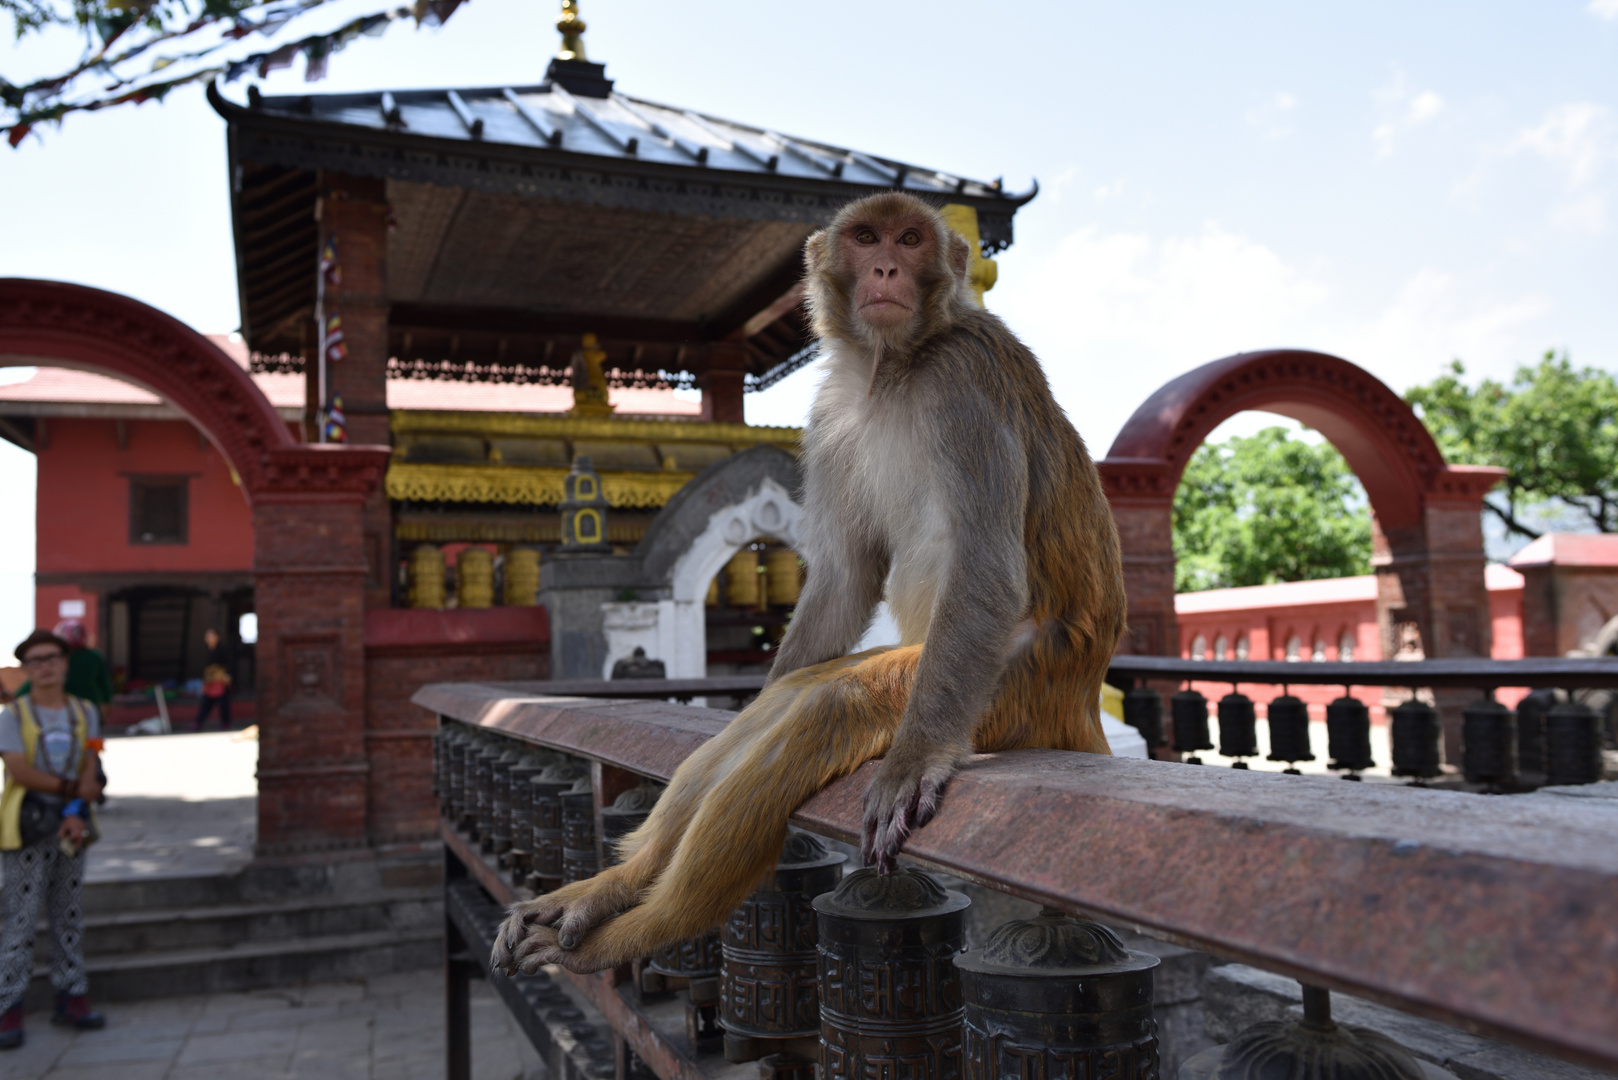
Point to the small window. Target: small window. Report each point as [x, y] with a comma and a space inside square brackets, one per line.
[158, 511]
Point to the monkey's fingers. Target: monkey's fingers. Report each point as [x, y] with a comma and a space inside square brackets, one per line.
[535, 950]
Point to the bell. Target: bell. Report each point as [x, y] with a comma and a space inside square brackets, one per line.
[1348, 735]
[1190, 712]
[1289, 731]
[1531, 712]
[767, 985]
[1238, 728]
[1417, 735]
[1572, 744]
[1489, 743]
[1143, 710]
[889, 991]
[1058, 997]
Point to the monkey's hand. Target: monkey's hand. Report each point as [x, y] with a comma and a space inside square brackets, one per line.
[903, 797]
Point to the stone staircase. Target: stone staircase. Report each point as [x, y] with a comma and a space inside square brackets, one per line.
[257, 927]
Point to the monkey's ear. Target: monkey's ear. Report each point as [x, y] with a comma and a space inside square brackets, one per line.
[814, 251]
[958, 254]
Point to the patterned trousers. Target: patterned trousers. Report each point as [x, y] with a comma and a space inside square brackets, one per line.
[38, 877]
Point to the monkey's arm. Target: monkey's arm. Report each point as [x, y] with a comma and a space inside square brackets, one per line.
[845, 584]
[980, 602]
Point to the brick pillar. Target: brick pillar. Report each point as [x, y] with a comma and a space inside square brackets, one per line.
[354, 211]
[1143, 506]
[309, 585]
[720, 378]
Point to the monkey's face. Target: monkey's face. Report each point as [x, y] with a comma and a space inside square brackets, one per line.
[887, 261]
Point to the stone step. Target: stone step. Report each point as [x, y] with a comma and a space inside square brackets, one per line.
[253, 965]
[148, 930]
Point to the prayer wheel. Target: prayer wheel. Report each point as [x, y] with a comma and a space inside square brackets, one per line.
[1417, 734]
[1314, 1048]
[1190, 712]
[1348, 736]
[426, 577]
[1055, 996]
[496, 828]
[452, 782]
[696, 964]
[1573, 741]
[522, 577]
[769, 964]
[712, 598]
[474, 578]
[890, 1000]
[627, 813]
[480, 792]
[545, 798]
[579, 832]
[782, 580]
[742, 579]
[1238, 728]
[1289, 731]
[1143, 710]
[1488, 743]
[519, 859]
[1531, 712]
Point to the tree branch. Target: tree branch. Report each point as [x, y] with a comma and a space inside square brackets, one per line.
[1511, 522]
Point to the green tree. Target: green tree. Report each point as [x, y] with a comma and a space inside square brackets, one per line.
[1268, 508]
[1554, 429]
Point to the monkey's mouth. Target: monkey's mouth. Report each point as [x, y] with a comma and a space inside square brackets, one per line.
[882, 302]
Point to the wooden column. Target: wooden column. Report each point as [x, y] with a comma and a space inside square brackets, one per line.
[721, 378]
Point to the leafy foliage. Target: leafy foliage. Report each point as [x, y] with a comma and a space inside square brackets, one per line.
[1268, 508]
[1554, 429]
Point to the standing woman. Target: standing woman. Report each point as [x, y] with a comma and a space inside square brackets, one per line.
[49, 741]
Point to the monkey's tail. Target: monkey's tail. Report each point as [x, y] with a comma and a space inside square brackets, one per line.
[826, 722]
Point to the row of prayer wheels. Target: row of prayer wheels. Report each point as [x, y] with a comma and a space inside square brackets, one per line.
[818, 972]
[750, 583]
[474, 577]
[1560, 739]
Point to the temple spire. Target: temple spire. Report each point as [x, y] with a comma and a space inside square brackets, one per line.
[568, 68]
[572, 28]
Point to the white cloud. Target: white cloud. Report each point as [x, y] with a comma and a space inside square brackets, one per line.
[1435, 317]
[1603, 9]
[1273, 115]
[1575, 136]
[1403, 109]
[1109, 191]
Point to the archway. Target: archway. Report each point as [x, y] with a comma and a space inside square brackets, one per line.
[1426, 532]
[309, 559]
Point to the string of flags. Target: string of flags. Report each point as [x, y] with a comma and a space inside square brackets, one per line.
[335, 349]
[336, 426]
[44, 100]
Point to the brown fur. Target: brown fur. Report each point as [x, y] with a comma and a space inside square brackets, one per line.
[1017, 592]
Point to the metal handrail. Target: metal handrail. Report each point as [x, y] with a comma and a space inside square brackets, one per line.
[1560, 672]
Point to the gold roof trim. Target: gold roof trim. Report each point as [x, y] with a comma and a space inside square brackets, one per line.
[558, 426]
[525, 485]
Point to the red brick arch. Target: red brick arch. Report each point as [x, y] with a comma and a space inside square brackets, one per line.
[309, 562]
[1429, 543]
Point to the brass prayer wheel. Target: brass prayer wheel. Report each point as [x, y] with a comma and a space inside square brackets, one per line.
[474, 578]
[1488, 743]
[1531, 712]
[480, 786]
[522, 577]
[1573, 741]
[452, 744]
[426, 577]
[545, 795]
[767, 984]
[1056, 996]
[1190, 712]
[496, 828]
[579, 832]
[1289, 731]
[742, 579]
[782, 577]
[1416, 732]
[627, 813]
[1143, 710]
[522, 774]
[1238, 728]
[890, 993]
[1348, 735]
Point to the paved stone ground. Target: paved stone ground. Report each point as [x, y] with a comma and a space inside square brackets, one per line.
[386, 1028]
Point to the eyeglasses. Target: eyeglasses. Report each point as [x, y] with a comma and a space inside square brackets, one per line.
[42, 661]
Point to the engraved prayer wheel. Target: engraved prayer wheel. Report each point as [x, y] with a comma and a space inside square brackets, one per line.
[1417, 733]
[480, 786]
[426, 577]
[742, 579]
[767, 983]
[1238, 728]
[478, 745]
[890, 1001]
[1488, 743]
[545, 797]
[522, 577]
[1143, 710]
[452, 781]
[782, 577]
[1531, 712]
[1190, 712]
[1289, 731]
[519, 859]
[1348, 735]
[1573, 744]
[474, 578]
[496, 831]
[627, 813]
[1055, 996]
[695, 964]
[1314, 1048]
[579, 832]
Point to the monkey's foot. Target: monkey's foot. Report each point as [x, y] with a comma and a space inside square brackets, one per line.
[559, 919]
[903, 797]
[611, 944]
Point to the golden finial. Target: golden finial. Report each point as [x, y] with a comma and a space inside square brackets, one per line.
[590, 380]
[572, 29]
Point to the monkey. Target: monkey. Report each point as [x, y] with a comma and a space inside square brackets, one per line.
[940, 474]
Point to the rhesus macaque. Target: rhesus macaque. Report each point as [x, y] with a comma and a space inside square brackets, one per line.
[939, 471]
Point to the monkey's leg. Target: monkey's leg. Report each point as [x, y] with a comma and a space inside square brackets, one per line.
[736, 834]
[573, 909]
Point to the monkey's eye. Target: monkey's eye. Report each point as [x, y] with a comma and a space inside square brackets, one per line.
[910, 238]
[865, 236]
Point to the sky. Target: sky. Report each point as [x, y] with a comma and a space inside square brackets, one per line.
[1397, 184]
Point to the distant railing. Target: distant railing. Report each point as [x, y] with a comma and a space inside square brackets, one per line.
[1495, 915]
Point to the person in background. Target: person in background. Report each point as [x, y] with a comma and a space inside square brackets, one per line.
[50, 741]
[215, 682]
